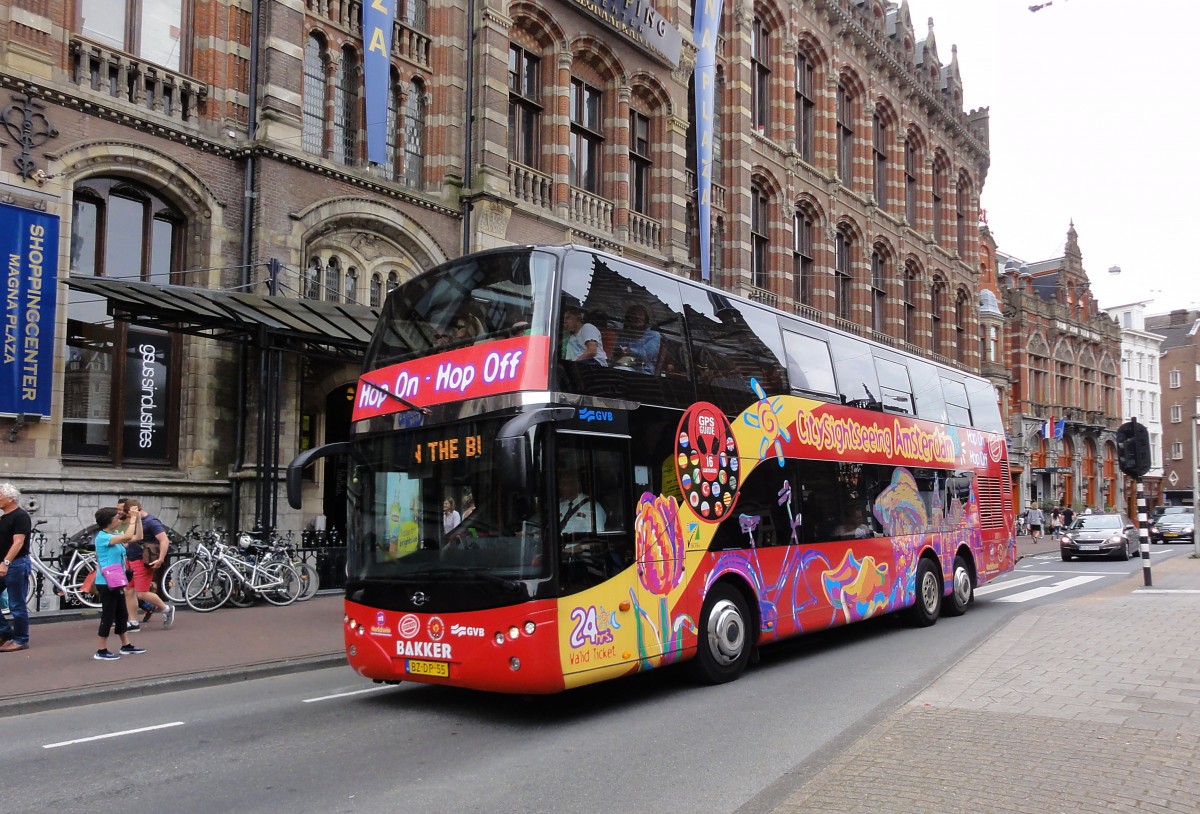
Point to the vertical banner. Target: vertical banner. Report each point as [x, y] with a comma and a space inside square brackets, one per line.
[378, 17]
[29, 246]
[708, 25]
[147, 396]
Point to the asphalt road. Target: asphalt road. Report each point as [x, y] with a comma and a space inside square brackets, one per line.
[329, 741]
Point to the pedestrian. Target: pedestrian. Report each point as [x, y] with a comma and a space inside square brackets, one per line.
[450, 518]
[146, 558]
[1036, 518]
[15, 530]
[110, 550]
[1068, 514]
[1055, 520]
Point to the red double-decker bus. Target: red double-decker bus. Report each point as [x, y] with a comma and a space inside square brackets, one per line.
[567, 467]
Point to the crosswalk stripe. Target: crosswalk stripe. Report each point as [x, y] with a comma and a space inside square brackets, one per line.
[993, 587]
[1046, 590]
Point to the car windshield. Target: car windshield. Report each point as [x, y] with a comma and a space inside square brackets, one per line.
[1097, 521]
[1179, 519]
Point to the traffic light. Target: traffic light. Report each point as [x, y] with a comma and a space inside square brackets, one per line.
[1133, 449]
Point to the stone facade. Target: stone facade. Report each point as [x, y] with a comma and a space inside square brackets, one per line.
[1064, 357]
[248, 135]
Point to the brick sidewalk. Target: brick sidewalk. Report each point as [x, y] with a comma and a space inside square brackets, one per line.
[225, 645]
[1091, 705]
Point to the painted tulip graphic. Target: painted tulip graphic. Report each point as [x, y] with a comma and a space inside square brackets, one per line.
[659, 535]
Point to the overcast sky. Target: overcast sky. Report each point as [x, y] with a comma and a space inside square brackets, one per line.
[1094, 114]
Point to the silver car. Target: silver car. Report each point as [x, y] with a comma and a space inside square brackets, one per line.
[1099, 535]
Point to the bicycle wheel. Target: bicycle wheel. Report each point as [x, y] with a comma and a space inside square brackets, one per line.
[243, 595]
[310, 580]
[284, 583]
[75, 584]
[208, 590]
[174, 580]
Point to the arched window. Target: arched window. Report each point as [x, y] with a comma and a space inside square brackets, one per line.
[313, 116]
[803, 259]
[806, 106]
[879, 164]
[939, 202]
[937, 308]
[350, 292]
[878, 289]
[760, 61]
[345, 108]
[524, 106]
[312, 280]
[395, 94]
[414, 134]
[640, 165]
[392, 281]
[760, 243]
[845, 135]
[376, 290]
[120, 381]
[333, 280]
[910, 302]
[961, 315]
[962, 205]
[843, 276]
[910, 181]
[587, 137]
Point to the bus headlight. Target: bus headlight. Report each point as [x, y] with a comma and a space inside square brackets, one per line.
[529, 628]
[513, 632]
[514, 664]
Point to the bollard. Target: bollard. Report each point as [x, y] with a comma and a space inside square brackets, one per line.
[1143, 535]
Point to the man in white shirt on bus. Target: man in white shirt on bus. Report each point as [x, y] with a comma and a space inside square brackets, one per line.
[576, 510]
[583, 341]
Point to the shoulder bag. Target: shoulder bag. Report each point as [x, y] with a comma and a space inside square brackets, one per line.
[114, 575]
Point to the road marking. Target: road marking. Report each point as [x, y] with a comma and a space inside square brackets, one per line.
[111, 735]
[1166, 591]
[1046, 590]
[344, 694]
[992, 587]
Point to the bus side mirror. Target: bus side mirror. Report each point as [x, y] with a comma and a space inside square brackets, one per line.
[295, 470]
[512, 459]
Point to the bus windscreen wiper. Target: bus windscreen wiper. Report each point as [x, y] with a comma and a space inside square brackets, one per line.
[487, 576]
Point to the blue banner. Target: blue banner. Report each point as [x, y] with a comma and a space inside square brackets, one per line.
[708, 25]
[377, 23]
[29, 246]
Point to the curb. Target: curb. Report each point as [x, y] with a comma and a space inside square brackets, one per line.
[155, 685]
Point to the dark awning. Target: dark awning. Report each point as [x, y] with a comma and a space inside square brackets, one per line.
[309, 327]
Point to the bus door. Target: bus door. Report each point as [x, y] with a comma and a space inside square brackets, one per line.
[596, 547]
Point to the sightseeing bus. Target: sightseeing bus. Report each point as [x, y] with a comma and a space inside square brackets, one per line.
[566, 467]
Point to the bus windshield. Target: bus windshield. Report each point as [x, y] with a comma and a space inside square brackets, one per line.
[489, 296]
[430, 504]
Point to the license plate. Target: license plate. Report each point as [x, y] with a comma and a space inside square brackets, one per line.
[1089, 548]
[1169, 534]
[441, 669]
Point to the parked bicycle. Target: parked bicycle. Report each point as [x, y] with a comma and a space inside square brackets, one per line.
[280, 548]
[68, 581]
[174, 579]
[229, 573]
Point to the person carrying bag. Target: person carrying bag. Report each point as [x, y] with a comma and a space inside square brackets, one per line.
[112, 577]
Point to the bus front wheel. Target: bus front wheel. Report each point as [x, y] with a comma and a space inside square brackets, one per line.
[928, 604]
[724, 645]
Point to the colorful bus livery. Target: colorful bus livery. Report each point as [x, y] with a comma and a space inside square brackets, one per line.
[724, 476]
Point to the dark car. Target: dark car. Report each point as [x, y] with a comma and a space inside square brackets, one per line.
[1158, 513]
[1177, 528]
[1099, 535]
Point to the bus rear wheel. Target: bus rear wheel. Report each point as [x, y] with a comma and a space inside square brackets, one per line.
[962, 593]
[928, 605]
[724, 645]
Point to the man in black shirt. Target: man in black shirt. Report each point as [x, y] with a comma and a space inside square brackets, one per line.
[15, 528]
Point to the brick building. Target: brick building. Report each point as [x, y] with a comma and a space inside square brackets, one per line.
[220, 147]
[1141, 396]
[1064, 405]
[1179, 373]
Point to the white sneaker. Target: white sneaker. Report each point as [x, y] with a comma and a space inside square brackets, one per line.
[168, 616]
